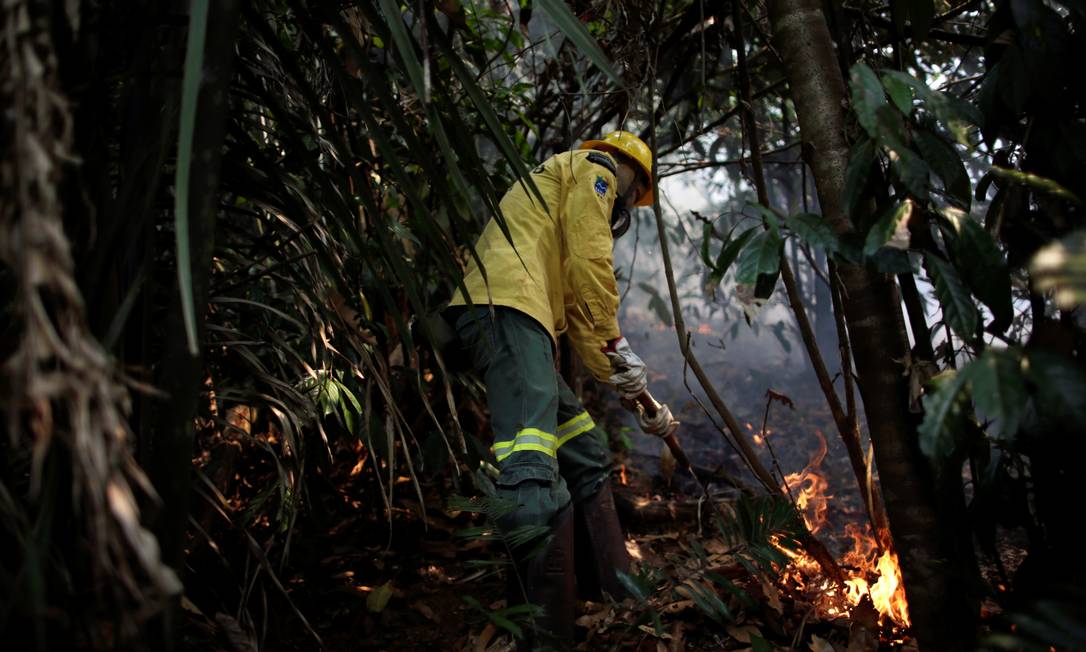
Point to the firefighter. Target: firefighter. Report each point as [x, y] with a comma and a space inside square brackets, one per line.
[551, 274]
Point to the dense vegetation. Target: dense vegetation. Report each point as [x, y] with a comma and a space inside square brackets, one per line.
[225, 225]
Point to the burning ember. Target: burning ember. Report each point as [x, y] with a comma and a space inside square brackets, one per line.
[864, 562]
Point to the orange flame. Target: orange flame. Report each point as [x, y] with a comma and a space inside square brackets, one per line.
[622, 475]
[811, 486]
[863, 562]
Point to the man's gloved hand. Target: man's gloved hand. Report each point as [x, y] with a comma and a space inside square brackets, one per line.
[627, 370]
[658, 424]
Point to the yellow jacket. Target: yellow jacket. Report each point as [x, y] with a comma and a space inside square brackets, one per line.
[561, 271]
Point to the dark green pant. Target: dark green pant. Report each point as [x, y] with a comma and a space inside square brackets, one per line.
[548, 448]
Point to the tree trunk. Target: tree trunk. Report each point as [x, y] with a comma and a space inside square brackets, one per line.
[943, 614]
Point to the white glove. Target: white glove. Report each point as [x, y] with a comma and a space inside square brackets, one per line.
[627, 370]
[658, 424]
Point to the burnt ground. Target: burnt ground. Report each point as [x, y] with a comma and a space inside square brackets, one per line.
[361, 577]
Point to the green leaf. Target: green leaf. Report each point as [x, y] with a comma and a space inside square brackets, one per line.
[761, 256]
[909, 168]
[900, 93]
[955, 114]
[1060, 385]
[636, 585]
[406, 47]
[766, 283]
[958, 308]
[759, 644]
[860, 160]
[814, 230]
[379, 597]
[942, 431]
[706, 236]
[985, 272]
[891, 261]
[771, 220]
[891, 229]
[999, 388]
[947, 164]
[867, 96]
[565, 20]
[1037, 183]
[729, 252]
[190, 95]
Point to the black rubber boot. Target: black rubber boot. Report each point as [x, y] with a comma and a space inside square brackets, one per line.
[546, 580]
[600, 547]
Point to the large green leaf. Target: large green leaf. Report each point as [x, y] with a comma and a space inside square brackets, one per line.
[958, 308]
[905, 164]
[999, 388]
[891, 229]
[942, 431]
[888, 260]
[867, 96]
[1060, 386]
[1038, 183]
[947, 164]
[985, 272]
[901, 94]
[955, 114]
[706, 238]
[761, 256]
[772, 222]
[729, 252]
[405, 45]
[814, 230]
[190, 94]
[860, 160]
[576, 32]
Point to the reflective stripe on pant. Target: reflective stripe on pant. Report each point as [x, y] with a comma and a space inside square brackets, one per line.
[583, 457]
[544, 442]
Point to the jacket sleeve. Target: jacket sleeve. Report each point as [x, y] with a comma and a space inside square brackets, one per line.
[586, 222]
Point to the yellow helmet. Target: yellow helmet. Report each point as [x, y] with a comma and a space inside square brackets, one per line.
[626, 143]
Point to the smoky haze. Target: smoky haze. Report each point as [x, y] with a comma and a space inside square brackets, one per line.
[743, 361]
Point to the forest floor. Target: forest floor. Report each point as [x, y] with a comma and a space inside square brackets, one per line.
[362, 577]
[428, 587]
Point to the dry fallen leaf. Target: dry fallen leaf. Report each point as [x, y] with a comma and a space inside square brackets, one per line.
[678, 606]
[772, 596]
[594, 619]
[652, 632]
[742, 633]
[425, 610]
[820, 644]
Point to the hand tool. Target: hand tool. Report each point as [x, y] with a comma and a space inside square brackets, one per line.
[651, 406]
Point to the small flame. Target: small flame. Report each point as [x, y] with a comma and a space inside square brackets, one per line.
[622, 475]
[888, 594]
[812, 500]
